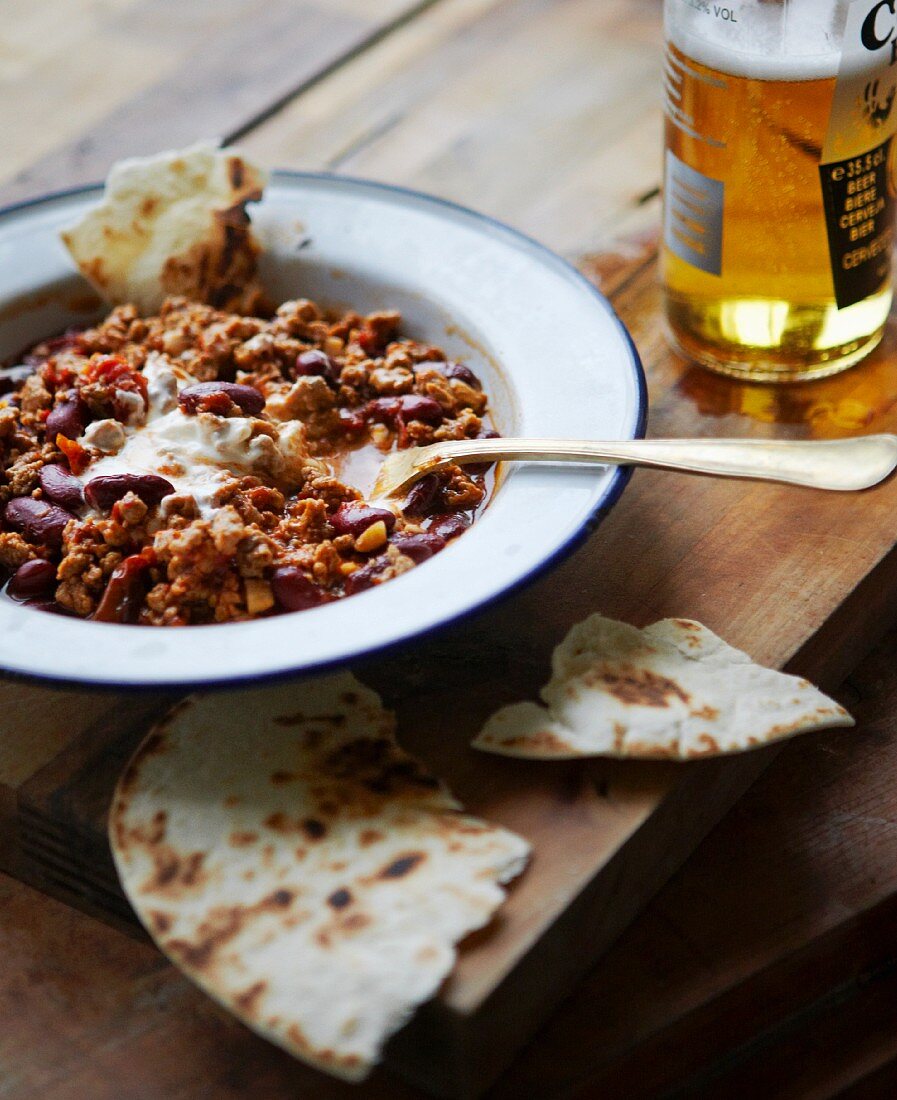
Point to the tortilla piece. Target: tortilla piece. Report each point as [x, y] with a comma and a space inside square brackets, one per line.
[672, 690]
[301, 868]
[173, 224]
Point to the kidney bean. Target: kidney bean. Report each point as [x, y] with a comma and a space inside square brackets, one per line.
[352, 420]
[364, 578]
[354, 516]
[125, 589]
[193, 399]
[449, 527]
[10, 377]
[422, 496]
[294, 591]
[38, 520]
[102, 492]
[61, 487]
[399, 410]
[452, 370]
[419, 547]
[35, 578]
[318, 364]
[67, 418]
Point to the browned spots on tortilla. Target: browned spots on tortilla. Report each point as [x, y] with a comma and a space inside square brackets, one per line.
[236, 172]
[361, 755]
[232, 800]
[354, 922]
[324, 1055]
[242, 839]
[455, 822]
[402, 866]
[646, 750]
[686, 624]
[174, 872]
[279, 822]
[247, 1001]
[279, 779]
[313, 829]
[95, 270]
[784, 729]
[148, 206]
[619, 736]
[300, 853]
[196, 956]
[427, 954]
[339, 899]
[707, 712]
[295, 1035]
[706, 745]
[367, 837]
[546, 740]
[159, 922]
[637, 687]
[222, 925]
[149, 834]
[121, 833]
[342, 924]
[350, 698]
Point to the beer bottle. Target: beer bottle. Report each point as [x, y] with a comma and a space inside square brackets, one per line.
[779, 182]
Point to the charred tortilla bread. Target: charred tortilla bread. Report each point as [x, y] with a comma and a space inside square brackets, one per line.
[672, 690]
[301, 868]
[172, 224]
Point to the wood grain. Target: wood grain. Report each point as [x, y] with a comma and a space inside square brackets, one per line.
[84, 83]
[767, 961]
[544, 114]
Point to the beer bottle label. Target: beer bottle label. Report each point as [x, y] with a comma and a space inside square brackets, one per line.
[693, 215]
[855, 168]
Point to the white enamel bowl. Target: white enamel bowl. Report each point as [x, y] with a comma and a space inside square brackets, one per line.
[552, 354]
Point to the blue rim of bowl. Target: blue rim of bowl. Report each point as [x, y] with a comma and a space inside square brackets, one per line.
[587, 527]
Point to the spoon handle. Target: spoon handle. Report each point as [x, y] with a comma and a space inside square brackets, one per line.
[843, 464]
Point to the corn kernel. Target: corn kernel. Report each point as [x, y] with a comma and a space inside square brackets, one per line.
[371, 539]
[259, 596]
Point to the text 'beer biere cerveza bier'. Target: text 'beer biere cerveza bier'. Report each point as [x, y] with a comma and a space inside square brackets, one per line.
[779, 182]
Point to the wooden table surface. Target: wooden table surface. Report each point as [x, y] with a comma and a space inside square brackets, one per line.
[767, 961]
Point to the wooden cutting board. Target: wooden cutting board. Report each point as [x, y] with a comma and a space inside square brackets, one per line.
[797, 578]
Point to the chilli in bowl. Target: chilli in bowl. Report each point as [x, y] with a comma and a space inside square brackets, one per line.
[197, 465]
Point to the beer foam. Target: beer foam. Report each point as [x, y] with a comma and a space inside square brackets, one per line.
[767, 42]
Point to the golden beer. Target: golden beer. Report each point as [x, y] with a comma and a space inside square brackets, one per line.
[761, 275]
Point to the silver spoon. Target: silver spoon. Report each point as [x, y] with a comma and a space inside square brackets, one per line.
[842, 464]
